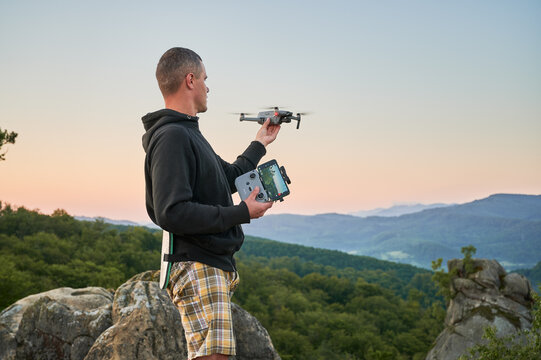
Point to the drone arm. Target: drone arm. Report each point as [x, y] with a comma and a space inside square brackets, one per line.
[298, 118]
[259, 120]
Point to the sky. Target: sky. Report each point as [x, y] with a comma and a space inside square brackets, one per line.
[410, 101]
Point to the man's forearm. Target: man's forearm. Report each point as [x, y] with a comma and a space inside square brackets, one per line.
[190, 218]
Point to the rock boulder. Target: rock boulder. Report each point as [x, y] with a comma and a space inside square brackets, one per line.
[57, 324]
[487, 297]
[137, 321]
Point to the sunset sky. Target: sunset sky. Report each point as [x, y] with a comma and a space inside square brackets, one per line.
[410, 101]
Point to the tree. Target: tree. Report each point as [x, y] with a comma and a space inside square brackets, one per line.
[6, 137]
[443, 279]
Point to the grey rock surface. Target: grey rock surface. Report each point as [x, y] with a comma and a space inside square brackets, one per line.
[487, 297]
[57, 324]
[146, 326]
[138, 322]
[517, 287]
[246, 329]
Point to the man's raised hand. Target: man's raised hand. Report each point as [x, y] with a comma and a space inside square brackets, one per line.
[267, 133]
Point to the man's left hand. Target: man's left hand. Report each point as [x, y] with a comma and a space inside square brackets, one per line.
[267, 133]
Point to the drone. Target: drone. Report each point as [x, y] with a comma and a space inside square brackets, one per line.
[275, 115]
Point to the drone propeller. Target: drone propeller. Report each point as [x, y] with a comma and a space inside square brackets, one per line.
[304, 113]
[241, 113]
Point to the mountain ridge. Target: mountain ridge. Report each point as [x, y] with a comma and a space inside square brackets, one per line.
[393, 211]
[502, 226]
[149, 225]
[397, 210]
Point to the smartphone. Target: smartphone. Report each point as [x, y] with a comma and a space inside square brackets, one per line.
[272, 180]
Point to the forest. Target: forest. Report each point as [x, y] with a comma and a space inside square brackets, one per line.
[316, 304]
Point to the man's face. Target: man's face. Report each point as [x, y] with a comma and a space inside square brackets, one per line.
[201, 90]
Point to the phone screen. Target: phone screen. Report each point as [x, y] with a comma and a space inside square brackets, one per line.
[272, 180]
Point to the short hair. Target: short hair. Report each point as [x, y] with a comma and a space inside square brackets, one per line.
[173, 67]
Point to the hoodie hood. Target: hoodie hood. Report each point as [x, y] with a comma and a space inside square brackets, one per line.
[153, 121]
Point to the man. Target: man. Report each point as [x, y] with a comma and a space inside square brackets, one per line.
[188, 193]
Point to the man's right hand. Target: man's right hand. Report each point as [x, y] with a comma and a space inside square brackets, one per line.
[257, 209]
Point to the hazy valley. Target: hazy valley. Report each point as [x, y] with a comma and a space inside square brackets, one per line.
[502, 227]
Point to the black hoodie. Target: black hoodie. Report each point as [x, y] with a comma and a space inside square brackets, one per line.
[189, 187]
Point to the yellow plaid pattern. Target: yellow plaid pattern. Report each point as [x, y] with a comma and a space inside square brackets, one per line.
[202, 294]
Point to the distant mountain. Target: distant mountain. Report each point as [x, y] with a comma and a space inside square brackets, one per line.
[398, 210]
[511, 206]
[503, 227]
[116, 222]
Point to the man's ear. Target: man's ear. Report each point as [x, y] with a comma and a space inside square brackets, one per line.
[189, 79]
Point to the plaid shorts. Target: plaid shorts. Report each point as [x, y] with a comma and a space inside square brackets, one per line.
[202, 294]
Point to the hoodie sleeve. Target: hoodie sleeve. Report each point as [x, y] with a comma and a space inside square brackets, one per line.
[245, 162]
[173, 167]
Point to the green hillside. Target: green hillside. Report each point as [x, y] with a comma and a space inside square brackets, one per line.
[272, 249]
[316, 304]
[534, 275]
[303, 260]
[40, 252]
